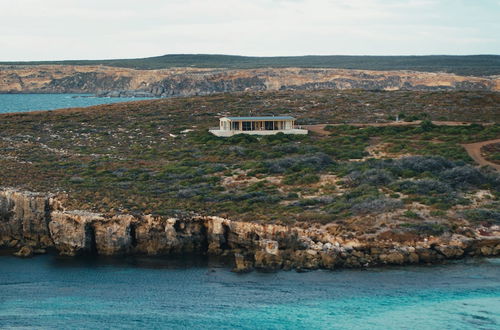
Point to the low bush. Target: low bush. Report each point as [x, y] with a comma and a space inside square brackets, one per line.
[411, 214]
[315, 162]
[426, 228]
[376, 205]
[374, 177]
[483, 215]
[249, 198]
[300, 178]
[430, 192]
[463, 176]
[422, 187]
[420, 164]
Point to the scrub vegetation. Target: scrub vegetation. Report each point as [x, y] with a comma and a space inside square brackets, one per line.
[471, 65]
[157, 157]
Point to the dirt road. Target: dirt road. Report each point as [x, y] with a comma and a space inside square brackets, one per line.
[474, 150]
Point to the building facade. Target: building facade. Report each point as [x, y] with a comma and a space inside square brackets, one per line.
[229, 126]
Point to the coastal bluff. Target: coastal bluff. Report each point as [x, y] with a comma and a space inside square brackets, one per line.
[179, 82]
[31, 223]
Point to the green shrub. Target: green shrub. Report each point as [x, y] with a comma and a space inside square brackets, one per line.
[483, 215]
[426, 228]
[411, 214]
[376, 205]
[315, 162]
[300, 178]
[375, 177]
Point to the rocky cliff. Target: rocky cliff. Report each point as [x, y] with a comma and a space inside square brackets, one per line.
[33, 222]
[112, 81]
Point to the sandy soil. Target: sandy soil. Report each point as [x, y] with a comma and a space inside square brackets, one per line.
[474, 150]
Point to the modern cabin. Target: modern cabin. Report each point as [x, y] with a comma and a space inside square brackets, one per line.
[229, 126]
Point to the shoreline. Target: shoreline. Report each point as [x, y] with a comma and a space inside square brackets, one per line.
[213, 262]
[35, 222]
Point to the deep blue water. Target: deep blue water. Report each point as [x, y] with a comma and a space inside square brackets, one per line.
[55, 292]
[32, 102]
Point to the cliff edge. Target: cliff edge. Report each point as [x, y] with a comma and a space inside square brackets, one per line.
[114, 81]
[33, 222]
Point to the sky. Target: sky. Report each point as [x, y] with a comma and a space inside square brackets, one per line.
[102, 29]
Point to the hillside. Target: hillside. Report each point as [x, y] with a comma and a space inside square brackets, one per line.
[134, 155]
[472, 65]
[146, 177]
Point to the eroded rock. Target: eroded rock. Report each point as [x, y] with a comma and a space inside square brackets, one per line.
[33, 222]
[242, 265]
[24, 252]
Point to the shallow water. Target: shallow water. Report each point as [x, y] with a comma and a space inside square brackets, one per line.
[33, 102]
[49, 291]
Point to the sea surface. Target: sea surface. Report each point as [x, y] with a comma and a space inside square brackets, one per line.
[33, 102]
[135, 293]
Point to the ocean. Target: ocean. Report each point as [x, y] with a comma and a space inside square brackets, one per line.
[131, 293]
[33, 102]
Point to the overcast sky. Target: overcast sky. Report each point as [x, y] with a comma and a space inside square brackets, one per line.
[98, 29]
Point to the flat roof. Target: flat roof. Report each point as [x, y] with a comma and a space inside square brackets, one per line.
[262, 118]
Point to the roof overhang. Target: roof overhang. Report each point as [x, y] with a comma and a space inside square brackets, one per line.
[263, 118]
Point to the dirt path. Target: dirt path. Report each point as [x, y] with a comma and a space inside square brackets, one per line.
[474, 150]
[320, 128]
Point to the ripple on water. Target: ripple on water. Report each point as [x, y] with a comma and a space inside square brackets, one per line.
[49, 291]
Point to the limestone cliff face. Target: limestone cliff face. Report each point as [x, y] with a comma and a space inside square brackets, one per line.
[112, 81]
[32, 221]
[25, 216]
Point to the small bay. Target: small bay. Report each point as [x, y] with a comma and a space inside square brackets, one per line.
[34, 102]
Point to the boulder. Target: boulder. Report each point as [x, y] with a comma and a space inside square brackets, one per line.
[24, 252]
[267, 261]
[392, 258]
[328, 260]
[450, 251]
[270, 246]
[306, 259]
[486, 250]
[241, 264]
[428, 255]
[413, 258]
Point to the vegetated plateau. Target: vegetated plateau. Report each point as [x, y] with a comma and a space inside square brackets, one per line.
[469, 65]
[368, 184]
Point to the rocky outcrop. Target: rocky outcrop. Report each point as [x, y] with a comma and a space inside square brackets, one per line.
[123, 82]
[32, 222]
[25, 215]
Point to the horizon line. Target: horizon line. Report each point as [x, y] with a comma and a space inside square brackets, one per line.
[249, 56]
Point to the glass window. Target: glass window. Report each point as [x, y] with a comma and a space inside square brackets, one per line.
[247, 126]
[268, 125]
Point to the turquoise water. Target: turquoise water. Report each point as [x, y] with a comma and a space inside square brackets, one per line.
[33, 102]
[55, 292]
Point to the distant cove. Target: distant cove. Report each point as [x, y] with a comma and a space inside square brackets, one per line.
[34, 102]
